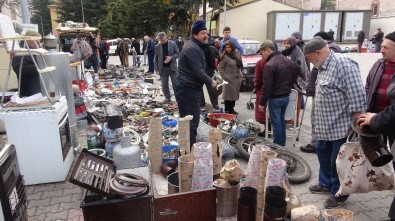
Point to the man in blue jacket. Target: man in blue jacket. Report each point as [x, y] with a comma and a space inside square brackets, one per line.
[227, 36]
[151, 53]
[192, 76]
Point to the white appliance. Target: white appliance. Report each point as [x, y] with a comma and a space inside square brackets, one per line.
[42, 140]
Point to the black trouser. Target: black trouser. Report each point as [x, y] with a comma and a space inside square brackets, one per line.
[188, 100]
[213, 93]
[121, 59]
[103, 60]
[229, 106]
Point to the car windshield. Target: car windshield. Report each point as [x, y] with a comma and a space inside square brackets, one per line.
[250, 48]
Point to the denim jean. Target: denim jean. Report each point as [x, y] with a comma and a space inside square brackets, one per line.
[277, 107]
[188, 99]
[327, 153]
[151, 62]
[164, 77]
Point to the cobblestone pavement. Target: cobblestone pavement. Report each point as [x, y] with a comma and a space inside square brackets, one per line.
[61, 201]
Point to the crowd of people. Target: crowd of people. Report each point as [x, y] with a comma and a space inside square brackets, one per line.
[334, 82]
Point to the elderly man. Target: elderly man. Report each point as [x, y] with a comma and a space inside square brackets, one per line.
[192, 76]
[310, 91]
[339, 97]
[166, 54]
[278, 78]
[380, 89]
[150, 51]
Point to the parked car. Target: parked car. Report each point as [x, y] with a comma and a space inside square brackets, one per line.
[113, 45]
[70, 30]
[249, 58]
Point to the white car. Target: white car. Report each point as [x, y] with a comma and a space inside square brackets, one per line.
[113, 45]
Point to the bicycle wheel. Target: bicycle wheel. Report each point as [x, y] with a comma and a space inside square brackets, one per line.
[298, 170]
[244, 145]
[233, 144]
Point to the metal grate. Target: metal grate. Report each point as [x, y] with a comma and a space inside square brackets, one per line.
[93, 173]
[18, 199]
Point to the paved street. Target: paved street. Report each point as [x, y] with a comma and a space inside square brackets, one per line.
[61, 201]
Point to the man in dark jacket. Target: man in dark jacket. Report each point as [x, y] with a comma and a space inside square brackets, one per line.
[378, 39]
[151, 53]
[310, 91]
[360, 39]
[136, 47]
[279, 76]
[379, 78]
[383, 122]
[192, 76]
[103, 53]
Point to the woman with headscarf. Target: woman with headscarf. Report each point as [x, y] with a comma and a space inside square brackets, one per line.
[293, 52]
[230, 67]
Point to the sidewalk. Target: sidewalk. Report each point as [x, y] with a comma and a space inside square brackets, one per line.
[61, 201]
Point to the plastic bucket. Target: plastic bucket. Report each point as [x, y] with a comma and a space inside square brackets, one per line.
[215, 118]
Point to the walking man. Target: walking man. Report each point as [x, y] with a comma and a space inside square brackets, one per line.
[192, 76]
[279, 76]
[166, 54]
[339, 97]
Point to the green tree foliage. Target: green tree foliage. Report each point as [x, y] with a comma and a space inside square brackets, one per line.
[328, 5]
[136, 18]
[71, 10]
[41, 16]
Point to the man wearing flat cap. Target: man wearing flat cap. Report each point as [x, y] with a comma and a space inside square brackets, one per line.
[378, 83]
[192, 76]
[278, 77]
[339, 97]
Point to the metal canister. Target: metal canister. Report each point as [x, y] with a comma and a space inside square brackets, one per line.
[227, 200]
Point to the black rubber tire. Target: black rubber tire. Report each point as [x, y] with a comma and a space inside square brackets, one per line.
[305, 176]
[233, 144]
[244, 147]
[245, 144]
